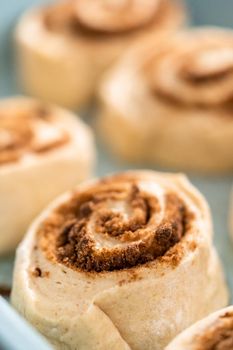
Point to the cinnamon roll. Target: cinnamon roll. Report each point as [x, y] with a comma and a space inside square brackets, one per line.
[76, 40]
[215, 332]
[112, 264]
[44, 151]
[172, 102]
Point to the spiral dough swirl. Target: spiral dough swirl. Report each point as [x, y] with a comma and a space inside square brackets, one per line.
[111, 16]
[28, 131]
[193, 68]
[117, 223]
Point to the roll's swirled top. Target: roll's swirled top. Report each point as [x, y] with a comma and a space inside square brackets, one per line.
[117, 223]
[115, 15]
[194, 68]
[28, 131]
[219, 336]
[111, 16]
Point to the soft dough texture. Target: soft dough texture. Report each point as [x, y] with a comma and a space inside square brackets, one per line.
[215, 332]
[172, 102]
[44, 151]
[76, 40]
[125, 262]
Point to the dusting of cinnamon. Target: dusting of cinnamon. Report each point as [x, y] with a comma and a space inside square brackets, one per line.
[113, 226]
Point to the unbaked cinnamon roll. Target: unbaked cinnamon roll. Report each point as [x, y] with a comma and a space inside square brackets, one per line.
[76, 40]
[124, 262]
[215, 332]
[170, 103]
[44, 151]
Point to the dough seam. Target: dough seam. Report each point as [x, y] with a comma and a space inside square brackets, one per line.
[128, 347]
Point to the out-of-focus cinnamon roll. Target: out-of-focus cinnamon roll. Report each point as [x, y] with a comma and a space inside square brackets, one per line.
[172, 102]
[76, 40]
[120, 254]
[215, 332]
[44, 151]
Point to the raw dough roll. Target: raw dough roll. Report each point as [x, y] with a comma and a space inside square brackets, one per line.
[170, 103]
[112, 264]
[215, 332]
[44, 151]
[77, 40]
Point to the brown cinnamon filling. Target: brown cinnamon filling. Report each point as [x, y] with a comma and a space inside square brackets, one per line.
[205, 77]
[64, 18]
[32, 132]
[224, 109]
[193, 71]
[219, 336]
[113, 226]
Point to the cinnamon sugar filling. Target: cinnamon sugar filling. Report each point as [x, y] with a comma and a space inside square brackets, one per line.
[112, 227]
[167, 98]
[32, 132]
[63, 18]
[219, 336]
[196, 74]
